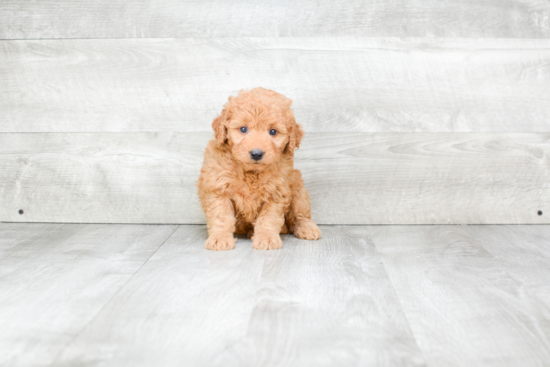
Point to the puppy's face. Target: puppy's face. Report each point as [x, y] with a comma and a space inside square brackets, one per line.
[257, 142]
[259, 128]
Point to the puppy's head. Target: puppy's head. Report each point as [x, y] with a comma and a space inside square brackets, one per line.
[258, 128]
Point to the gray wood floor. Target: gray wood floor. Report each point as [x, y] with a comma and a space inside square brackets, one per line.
[144, 295]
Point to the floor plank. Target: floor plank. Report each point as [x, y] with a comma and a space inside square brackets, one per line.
[324, 303]
[524, 251]
[286, 18]
[391, 178]
[462, 305]
[363, 84]
[54, 279]
[91, 295]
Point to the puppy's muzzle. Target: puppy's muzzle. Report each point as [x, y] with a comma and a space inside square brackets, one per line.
[256, 154]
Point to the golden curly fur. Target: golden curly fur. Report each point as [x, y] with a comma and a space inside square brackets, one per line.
[242, 195]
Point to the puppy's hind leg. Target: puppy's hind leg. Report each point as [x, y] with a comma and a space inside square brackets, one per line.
[299, 216]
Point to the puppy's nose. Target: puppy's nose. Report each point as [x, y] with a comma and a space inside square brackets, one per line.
[256, 154]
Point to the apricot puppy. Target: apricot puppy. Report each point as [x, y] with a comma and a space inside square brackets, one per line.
[248, 184]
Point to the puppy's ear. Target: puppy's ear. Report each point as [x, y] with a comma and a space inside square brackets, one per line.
[220, 131]
[219, 125]
[295, 137]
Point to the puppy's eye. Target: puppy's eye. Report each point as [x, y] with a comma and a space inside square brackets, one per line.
[243, 129]
[273, 132]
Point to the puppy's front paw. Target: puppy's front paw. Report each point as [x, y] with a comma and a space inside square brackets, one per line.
[306, 229]
[220, 242]
[266, 241]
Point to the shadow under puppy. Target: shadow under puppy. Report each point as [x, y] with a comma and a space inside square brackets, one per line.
[248, 184]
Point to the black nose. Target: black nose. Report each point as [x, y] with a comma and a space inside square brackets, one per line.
[256, 154]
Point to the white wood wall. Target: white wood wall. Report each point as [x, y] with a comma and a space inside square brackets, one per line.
[416, 112]
[26, 19]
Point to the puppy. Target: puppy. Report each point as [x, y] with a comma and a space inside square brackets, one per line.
[248, 184]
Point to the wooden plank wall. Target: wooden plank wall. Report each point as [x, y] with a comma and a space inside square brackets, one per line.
[427, 111]
[352, 178]
[337, 84]
[26, 19]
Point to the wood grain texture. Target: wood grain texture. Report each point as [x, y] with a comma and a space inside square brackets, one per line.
[524, 252]
[55, 278]
[322, 303]
[337, 84]
[463, 307]
[392, 178]
[101, 178]
[125, 295]
[287, 18]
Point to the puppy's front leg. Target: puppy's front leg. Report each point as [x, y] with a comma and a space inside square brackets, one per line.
[220, 218]
[268, 226]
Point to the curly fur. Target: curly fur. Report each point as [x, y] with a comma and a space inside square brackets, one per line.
[258, 198]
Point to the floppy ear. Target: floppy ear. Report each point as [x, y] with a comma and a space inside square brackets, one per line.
[295, 137]
[220, 131]
[219, 125]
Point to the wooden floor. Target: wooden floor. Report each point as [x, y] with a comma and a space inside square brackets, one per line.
[151, 295]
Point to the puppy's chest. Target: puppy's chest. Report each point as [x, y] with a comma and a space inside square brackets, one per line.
[250, 194]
